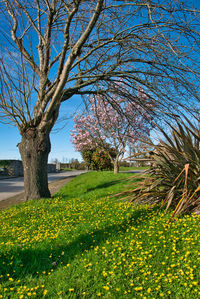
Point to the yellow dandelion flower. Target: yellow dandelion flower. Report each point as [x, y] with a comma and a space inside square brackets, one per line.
[138, 289]
[161, 295]
[195, 283]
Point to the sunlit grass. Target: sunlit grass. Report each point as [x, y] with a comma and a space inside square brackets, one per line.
[128, 168]
[85, 244]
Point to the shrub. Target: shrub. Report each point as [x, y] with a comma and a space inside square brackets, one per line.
[101, 160]
[97, 159]
[87, 157]
[173, 178]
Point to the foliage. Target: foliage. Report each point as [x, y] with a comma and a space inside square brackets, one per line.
[73, 164]
[101, 160]
[5, 163]
[98, 159]
[174, 176]
[87, 157]
[83, 244]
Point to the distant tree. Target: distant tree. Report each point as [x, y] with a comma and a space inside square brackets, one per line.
[74, 163]
[5, 163]
[102, 126]
[52, 50]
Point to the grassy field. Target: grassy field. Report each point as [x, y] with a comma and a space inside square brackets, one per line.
[85, 244]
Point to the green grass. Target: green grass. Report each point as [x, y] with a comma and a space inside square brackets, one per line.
[127, 168]
[83, 243]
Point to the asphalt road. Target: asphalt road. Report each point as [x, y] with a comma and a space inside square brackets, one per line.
[11, 187]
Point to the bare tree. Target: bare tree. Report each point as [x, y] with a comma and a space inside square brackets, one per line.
[54, 50]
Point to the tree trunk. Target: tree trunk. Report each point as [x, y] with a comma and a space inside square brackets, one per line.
[34, 149]
[116, 167]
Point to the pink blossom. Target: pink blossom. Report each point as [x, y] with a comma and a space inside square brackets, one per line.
[102, 124]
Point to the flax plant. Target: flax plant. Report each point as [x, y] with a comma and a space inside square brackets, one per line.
[173, 179]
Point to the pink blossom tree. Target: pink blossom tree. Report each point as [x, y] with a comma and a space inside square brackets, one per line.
[117, 123]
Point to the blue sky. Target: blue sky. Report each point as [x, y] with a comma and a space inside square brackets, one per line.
[61, 146]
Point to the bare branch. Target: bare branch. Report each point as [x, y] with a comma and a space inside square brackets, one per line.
[74, 53]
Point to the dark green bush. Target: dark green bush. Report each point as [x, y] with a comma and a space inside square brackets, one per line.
[97, 159]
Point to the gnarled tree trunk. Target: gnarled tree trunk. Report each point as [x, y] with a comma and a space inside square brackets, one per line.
[34, 149]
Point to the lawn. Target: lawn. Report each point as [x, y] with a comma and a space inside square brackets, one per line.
[128, 168]
[83, 243]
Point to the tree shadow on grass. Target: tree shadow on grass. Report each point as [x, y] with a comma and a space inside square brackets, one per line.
[64, 194]
[34, 261]
[106, 185]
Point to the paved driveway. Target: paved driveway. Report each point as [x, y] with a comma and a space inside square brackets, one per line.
[11, 187]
